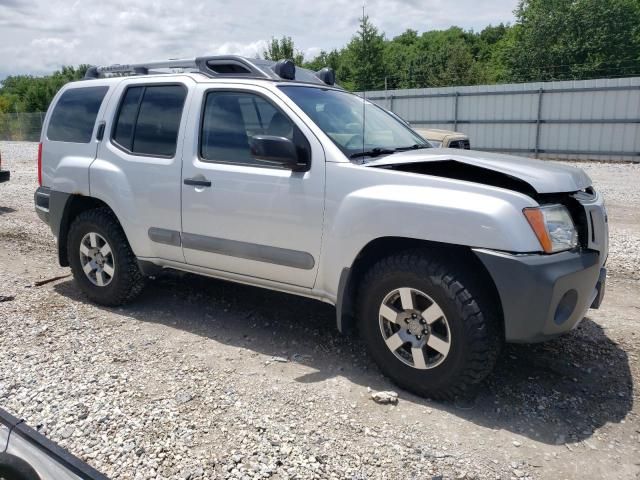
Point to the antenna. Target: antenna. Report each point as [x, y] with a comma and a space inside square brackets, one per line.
[364, 90]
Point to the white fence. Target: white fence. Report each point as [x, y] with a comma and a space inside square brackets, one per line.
[587, 120]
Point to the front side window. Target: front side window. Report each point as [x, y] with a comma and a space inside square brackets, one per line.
[358, 127]
[74, 116]
[229, 121]
[149, 119]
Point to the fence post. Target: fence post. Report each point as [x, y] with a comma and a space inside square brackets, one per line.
[540, 93]
[21, 137]
[455, 115]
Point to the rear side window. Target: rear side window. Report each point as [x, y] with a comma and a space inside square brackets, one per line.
[74, 116]
[149, 119]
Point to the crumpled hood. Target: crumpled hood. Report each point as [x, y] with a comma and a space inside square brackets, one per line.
[543, 176]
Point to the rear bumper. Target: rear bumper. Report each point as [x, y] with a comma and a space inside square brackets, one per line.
[4, 175]
[42, 199]
[544, 296]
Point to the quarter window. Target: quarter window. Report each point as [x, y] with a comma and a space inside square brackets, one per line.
[149, 119]
[229, 121]
[74, 116]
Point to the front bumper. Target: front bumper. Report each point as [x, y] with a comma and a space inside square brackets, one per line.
[4, 175]
[544, 296]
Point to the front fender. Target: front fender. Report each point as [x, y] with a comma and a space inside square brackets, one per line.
[471, 215]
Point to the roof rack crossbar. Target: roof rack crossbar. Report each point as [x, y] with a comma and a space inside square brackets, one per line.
[219, 66]
[209, 66]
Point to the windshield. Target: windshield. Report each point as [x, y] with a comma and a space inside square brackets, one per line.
[358, 127]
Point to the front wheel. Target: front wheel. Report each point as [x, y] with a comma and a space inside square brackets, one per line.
[101, 259]
[425, 328]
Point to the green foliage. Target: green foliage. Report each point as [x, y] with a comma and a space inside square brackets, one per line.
[25, 93]
[551, 40]
[279, 49]
[575, 39]
[362, 66]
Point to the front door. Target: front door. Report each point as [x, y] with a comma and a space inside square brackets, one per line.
[242, 216]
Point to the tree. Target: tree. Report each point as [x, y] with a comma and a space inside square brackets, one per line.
[446, 58]
[25, 93]
[283, 48]
[566, 39]
[332, 59]
[363, 64]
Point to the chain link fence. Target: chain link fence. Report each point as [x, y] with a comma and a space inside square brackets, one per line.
[18, 126]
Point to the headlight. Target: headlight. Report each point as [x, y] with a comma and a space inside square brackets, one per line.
[553, 226]
[435, 143]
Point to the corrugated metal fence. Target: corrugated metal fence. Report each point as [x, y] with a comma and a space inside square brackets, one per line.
[589, 119]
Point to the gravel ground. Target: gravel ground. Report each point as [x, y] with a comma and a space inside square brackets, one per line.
[206, 379]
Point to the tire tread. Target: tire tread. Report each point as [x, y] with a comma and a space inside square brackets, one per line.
[480, 326]
[131, 280]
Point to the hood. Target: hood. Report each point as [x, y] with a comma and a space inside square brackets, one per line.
[542, 176]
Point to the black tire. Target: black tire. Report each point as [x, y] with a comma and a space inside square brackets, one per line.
[474, 336]
[15, 468]
[127, 281]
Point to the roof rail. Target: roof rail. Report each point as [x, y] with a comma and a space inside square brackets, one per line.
[218, 66]
[211, 66]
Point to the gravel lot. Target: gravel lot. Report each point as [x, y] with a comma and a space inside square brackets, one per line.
[206, 379]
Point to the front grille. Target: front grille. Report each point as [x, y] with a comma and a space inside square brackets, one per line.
[463, 144]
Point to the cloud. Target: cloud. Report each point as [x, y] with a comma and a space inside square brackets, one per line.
[41, 35]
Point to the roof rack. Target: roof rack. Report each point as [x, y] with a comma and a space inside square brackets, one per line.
[219, 66]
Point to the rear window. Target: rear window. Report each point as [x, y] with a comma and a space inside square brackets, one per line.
[74, 116]
[149, 119]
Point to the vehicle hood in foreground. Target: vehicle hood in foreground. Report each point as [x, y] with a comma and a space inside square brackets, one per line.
[507, 171]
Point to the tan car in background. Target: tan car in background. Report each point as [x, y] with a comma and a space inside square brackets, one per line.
[444, 138]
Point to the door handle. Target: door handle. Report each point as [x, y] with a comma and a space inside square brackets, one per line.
[100, 132]
[197, 182]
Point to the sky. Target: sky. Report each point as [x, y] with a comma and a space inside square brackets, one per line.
[38, 36]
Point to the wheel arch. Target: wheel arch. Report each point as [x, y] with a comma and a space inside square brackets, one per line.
[459, 256]
[74, 206]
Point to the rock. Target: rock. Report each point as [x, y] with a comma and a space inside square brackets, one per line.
[183, 397]
[516, 443]
[386, 397]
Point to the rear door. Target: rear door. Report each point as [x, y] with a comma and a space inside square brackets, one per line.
[253, 219]
[137, 171]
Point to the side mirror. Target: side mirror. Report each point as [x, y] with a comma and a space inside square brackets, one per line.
[276, 151]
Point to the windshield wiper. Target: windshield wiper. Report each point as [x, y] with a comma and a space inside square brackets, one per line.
[415, 146]
[374, 152]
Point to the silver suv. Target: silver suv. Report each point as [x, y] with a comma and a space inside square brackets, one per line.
[270, 175]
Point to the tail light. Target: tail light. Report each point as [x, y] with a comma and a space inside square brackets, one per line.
[40, 164]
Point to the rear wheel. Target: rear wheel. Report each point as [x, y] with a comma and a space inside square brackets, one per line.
[424, 326]
[101, 259]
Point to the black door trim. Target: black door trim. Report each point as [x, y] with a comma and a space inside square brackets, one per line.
[250, 251]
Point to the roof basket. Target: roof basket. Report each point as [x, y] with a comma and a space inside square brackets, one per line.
[219, 66]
